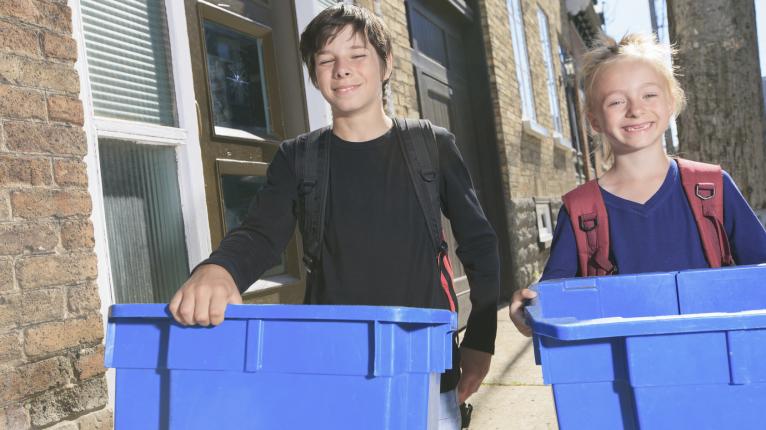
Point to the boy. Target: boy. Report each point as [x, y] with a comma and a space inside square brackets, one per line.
[376, 248]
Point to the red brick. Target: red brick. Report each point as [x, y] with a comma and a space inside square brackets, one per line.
[37, 203]
[48, 270]
[70, 173]
[30, 237]
[90, 362]
[57, 336]
[17, 383]
[65, 109]
[14, 417]
[101, 420]
[54, 406]
[50, 139]
[39, 306]
[6, 275]
[83, 299]
[77, 234]
[18, 40]
[9, 310]
[61, 47]
[25, 171]
[29, 72]
[21, 103]
[10, 347]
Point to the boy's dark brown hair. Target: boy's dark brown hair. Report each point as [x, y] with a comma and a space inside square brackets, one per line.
[325, 26]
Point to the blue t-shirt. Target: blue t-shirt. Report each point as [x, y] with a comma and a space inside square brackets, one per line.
[661, 235]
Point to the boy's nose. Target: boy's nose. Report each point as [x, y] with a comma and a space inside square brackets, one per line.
[341, 70]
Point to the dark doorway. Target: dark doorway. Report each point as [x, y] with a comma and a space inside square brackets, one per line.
[451, 74]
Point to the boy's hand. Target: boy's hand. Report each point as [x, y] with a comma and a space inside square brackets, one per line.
[475, 365]
[202, 299]
[516, 310]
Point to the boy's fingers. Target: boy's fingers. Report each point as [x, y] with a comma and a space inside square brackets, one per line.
[218, 307]
[174, 303]
[186, 309]
[202, 306]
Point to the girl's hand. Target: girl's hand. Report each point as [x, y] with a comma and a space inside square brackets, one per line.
[516, 310]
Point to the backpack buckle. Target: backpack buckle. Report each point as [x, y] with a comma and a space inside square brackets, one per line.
[306, 186]
[588, 222]
[704, 190]
[428, 175]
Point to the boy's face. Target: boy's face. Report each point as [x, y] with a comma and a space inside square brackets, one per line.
[350, 74]
[632, 105]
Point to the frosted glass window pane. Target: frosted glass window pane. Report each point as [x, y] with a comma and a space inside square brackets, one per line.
[523, 72]
[553, 95]
[128, 55]
[145, 229]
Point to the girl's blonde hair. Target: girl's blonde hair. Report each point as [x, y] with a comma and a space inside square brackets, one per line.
[633, 46]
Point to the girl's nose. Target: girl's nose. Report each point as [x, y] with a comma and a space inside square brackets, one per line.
[634, 109]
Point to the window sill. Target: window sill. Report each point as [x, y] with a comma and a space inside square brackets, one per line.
[236, 134]
[534, 129]
[272, 283]
[563, 142]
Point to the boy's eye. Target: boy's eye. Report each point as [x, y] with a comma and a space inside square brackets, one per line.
[326, 61]
[358, 56]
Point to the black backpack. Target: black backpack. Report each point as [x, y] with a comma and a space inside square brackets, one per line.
[312, 165]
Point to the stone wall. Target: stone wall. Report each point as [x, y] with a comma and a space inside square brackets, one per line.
[51, 357]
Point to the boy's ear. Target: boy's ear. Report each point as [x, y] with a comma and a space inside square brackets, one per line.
[389, 67]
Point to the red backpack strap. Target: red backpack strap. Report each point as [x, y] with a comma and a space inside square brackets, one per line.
[587, 213]
[703, 185]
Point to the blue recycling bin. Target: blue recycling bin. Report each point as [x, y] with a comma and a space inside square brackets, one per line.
[280, 367]
[683, 350]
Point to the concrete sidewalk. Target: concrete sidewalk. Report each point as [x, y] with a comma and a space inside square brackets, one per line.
[513, 395]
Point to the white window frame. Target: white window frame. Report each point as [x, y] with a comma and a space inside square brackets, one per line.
[523, 71]
[319, 111]
[552, 82]
[184, 138]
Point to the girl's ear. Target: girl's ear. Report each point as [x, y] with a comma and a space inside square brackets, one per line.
[594, 123]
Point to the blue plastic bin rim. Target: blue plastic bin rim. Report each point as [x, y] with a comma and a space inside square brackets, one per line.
[304, 312]
[570, 328]
[573, 329]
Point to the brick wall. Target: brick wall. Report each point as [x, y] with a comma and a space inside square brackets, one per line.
[532, 166]
[51, 370]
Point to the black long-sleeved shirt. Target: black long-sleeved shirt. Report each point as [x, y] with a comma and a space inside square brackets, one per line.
[376, 248]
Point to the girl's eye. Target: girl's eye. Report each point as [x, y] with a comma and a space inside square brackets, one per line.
[650, 95]
[614, 103]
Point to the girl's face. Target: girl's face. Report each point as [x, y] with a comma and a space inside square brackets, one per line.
[631, 105]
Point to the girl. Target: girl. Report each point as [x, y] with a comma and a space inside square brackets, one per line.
[656, 222]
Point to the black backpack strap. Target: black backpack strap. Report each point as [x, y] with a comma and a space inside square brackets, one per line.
[312, 165]
[418, 143]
